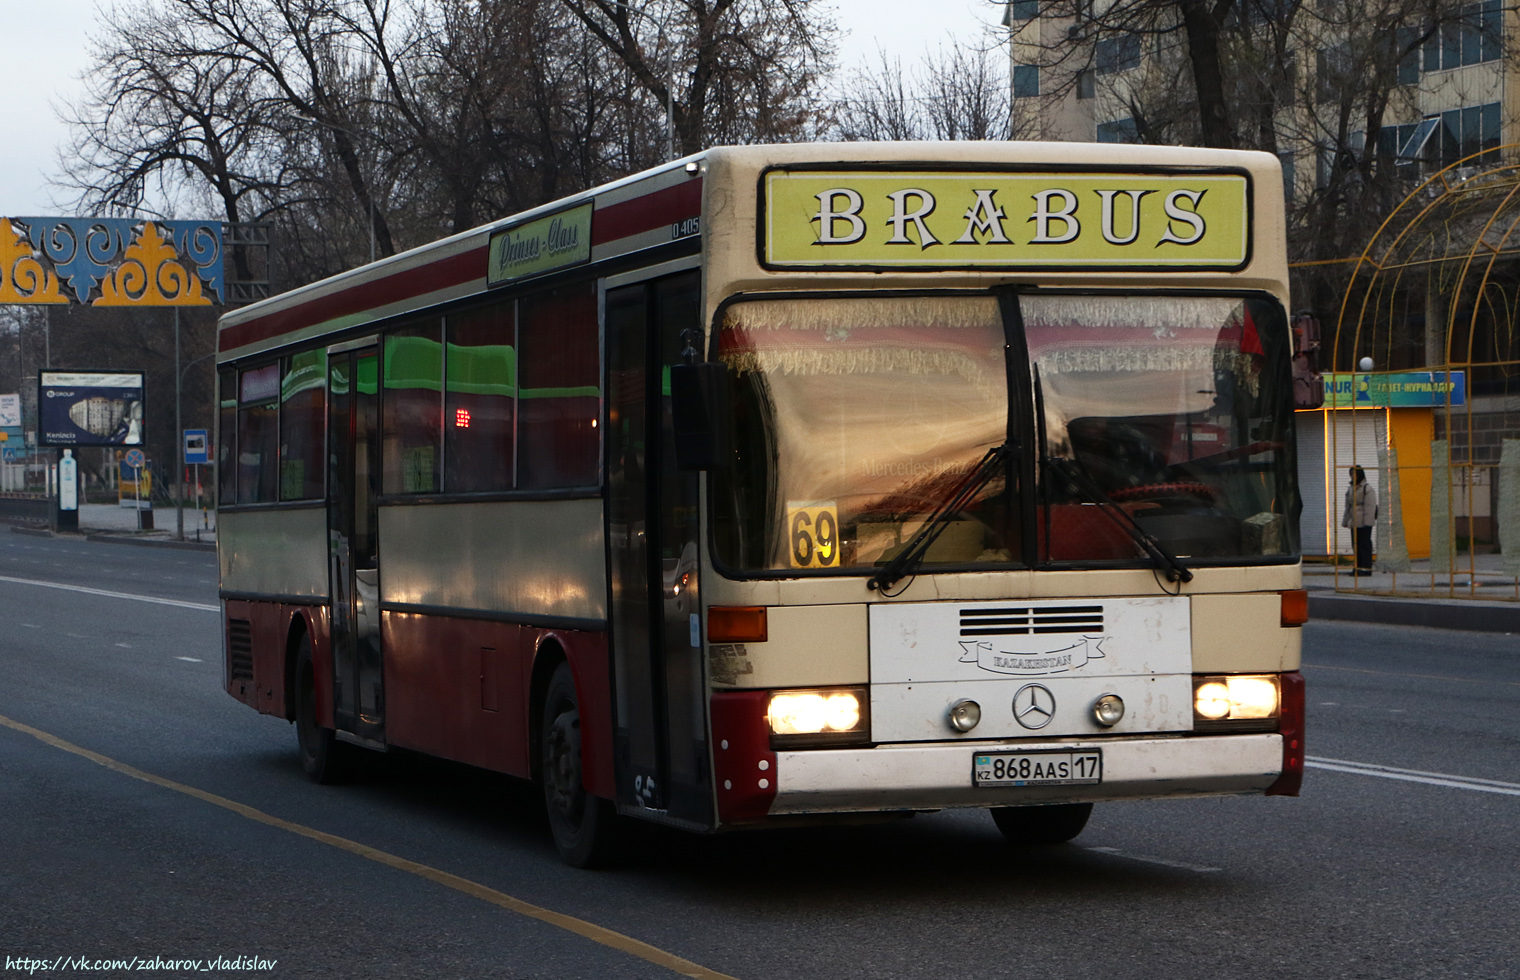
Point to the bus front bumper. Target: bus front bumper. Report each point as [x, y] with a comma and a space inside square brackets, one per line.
[938, 775]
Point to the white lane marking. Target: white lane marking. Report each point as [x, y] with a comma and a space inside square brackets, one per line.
[1415, 776]
[113, 595]
[125, 646]
[193, 660]
[1164, 862]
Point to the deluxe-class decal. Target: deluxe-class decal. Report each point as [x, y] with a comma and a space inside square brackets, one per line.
[821, 219]
[542, 245]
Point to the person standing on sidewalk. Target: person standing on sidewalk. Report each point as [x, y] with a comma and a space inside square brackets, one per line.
[1359, 515]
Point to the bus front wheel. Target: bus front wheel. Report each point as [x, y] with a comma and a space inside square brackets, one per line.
[584, 825]
[1053, 824]
[325, 759]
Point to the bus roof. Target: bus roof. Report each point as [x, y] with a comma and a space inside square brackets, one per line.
[663, 204]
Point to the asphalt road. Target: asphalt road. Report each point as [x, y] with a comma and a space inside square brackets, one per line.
[191, 833]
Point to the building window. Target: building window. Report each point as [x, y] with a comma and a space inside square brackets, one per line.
[1024, 9]
[1026, 81]
[413, 410]
[480, 401]
[1116, 54]
[561, 395]
[1286, 159]
[1464, 132]
[1118, 131]
[303, 425]
[1474, 36]
[1330, 70]
[1087, 84]
[1409, 64]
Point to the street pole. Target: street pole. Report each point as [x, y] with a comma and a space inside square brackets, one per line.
[179, 437]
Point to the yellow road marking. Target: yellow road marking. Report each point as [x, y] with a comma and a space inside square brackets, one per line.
[587, 930]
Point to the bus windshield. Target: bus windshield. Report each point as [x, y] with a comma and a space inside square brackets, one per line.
[855, 419]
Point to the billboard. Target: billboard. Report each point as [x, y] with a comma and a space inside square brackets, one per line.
[89, 408]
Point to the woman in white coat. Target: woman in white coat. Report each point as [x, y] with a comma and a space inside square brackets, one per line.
[1359, 515]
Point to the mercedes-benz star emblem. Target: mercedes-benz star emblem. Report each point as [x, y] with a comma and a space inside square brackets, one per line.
[1034, 706]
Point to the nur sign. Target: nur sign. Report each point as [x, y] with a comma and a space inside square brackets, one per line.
[926, 220]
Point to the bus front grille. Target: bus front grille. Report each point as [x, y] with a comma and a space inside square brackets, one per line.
[1016, 620]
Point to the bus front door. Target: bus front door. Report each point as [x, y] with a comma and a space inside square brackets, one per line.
[652, 520]
[353, 448]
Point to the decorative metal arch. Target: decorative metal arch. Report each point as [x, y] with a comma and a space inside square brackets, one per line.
[1437, 290]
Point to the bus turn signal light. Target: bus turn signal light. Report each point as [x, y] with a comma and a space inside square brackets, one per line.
[1295, 607]
[736, 624]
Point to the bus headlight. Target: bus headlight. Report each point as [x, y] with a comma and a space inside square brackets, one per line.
[824, 716]
[1236, 702]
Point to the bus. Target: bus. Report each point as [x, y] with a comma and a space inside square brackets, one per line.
[786, 484]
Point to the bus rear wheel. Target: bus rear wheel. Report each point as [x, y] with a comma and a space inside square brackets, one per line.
[584, 825]
[1053, 824]
[325, 759]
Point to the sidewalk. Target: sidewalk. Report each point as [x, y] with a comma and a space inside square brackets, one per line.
[110, 522]
[1482, 598]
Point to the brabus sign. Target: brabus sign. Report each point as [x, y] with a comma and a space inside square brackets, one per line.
[825, 219]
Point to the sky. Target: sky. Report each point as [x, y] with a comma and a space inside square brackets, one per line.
[42, 49]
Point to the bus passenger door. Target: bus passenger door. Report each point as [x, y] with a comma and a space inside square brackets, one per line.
[353, 448]
[660, 690]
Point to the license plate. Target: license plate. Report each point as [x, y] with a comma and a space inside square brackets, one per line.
[1053, 767]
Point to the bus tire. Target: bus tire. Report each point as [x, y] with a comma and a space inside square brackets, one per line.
[584, 825]
[1051, 824]
[325, 759]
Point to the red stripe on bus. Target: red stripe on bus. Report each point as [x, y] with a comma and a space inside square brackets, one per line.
[656, 210]
[358, 298]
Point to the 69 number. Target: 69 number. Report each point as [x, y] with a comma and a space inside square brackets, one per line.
[815, 541]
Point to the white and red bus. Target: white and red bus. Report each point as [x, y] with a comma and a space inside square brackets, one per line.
[785, 482]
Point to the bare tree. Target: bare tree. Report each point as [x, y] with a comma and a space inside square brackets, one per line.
[956, 94]
[724, 71]
[365, 126]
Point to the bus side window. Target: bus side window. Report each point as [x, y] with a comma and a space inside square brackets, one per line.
[258, 434]
[560, 398]
[413, 423]
[303, 425]
[480, 399]
[226, 440]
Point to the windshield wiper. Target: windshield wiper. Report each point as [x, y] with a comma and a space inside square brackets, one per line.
[1077, 476]
[961, 496]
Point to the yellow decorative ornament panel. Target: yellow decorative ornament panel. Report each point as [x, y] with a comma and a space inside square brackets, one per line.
[23, 279]
[151, 275]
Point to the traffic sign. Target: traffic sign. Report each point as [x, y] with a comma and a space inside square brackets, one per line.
[197, 449]
[135, 458]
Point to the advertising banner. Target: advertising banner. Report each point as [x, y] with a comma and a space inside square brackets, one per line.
[89, 408]
[823, 219]
[10, 411]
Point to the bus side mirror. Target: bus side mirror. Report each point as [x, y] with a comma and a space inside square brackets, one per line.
[699, 415]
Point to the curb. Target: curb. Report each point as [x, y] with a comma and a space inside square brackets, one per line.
[1482, 617]
[153, 542]
[36, 532]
